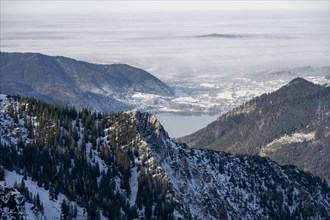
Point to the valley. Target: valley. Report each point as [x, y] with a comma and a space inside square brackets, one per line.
[218, 95]
[198, 102]
[118, 87]
[125, 165]
[164, 110]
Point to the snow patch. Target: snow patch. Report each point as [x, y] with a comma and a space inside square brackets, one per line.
[133, 185]
[208, 85]
[225, 95]
[52, 208]
[3, 97]
[286, 139]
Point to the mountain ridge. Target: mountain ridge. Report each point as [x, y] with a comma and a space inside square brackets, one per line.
[65, 81]
[137, 170]
[290, 125]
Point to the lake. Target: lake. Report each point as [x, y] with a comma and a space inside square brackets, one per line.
[180, 125]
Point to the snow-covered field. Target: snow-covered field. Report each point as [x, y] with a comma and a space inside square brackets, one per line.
[286, 139]
[219, 95]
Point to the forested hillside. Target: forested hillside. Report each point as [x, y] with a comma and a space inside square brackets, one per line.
[290, 126]
[68, 82]
[124, 165]
[82, 155]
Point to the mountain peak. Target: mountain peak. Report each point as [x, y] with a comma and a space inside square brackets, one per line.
[290, 125]
[299, 80]
[150, 128]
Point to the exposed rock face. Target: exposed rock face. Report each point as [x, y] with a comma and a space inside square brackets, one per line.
[290, 126]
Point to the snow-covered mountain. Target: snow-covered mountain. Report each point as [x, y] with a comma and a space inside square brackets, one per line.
[290, 126]
[124, 165]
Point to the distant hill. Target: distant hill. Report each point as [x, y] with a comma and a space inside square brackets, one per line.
[290, 126]
[68, 82]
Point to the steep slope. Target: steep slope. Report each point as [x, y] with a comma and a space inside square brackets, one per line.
[69, 82]
[14, 206]
[99, 162]
[11, 203]
[290, 126]
[215, 185]
[124, 165]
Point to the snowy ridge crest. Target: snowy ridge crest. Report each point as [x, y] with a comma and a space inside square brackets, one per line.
[130, 158]
[225, 184]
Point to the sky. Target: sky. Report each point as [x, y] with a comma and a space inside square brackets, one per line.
[14, 7]
[163, 37]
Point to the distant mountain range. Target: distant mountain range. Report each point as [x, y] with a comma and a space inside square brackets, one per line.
[68, 164]
[235, 36]
[290, 126]
[68, 82]
[229, 36]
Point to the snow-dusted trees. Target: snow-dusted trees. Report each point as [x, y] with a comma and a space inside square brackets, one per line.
[65, 152]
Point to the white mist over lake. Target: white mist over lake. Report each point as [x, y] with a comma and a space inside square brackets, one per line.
[162, 37]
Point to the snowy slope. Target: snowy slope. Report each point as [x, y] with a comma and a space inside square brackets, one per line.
[52, 207]
[232, 186]
[290, 126]
[11, 204]
[158, 173]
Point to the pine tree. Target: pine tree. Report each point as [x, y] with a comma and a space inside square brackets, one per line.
[64, 210]
[2, 173]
